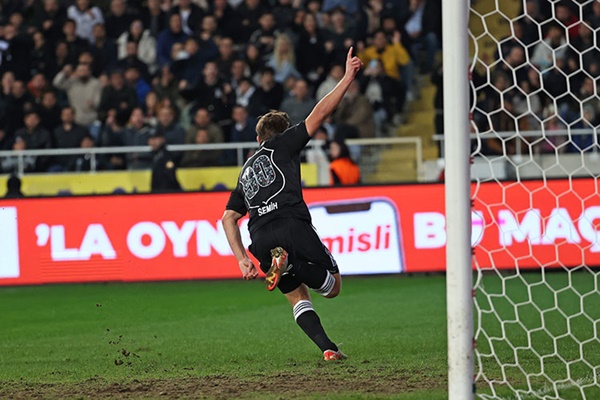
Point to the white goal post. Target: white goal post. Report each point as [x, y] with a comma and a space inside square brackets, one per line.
[459, 303]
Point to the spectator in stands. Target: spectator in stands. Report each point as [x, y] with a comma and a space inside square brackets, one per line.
[300, 105]
[342, 169]
[264, 37]
[104, 50]
[209, 28]
[340, 35]
[253, 60]
[36, 137]
[114, 135]
[168, 37]
[85, 17]
[49, 111]
[18, 102]
[202, 120]
[131, 60]
[116, 96]
[385, 94]
[311, 55]
[349, 7]
[171, 130]
[10, 164]
[226, 57]
[333, 77]
[421, 28]
[137, 134]
[356, 111]
[49, 20]
[283, 59]
[165, 85]
[41, 55]
[225, 15]
[248, 15]
[118, 19]
[83, 162]
[211, 93]
[67, 135]
[191, 16]
[36, 87]
[134, 80]
[201, 158]
[75, 44]
[534, 17]
[393, 56]
[15, 52]
[566, 18]
[59, 61]
[283, 13]
[151, 107]
[242, 130]
[186, 69]
[583, 46]
[244, 92]
[515, 38]
[154, 17]
[553, 47]
[239, 71]
[146, 44]
[13, 188]
[164, 168]
[267, 96]
[515, 64]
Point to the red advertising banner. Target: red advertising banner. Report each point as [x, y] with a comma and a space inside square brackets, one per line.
[371, 229]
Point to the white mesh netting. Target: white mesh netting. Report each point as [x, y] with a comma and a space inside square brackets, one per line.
[536, 219]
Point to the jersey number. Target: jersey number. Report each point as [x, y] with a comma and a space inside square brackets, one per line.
[260, 174]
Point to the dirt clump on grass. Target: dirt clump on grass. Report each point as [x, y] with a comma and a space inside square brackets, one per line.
[286, 385]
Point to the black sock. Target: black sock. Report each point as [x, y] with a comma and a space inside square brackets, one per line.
[309, 321]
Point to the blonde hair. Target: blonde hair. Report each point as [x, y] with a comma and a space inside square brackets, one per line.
[272, 123]
[280, 58]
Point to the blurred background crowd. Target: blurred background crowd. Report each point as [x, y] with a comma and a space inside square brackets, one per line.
[544, 76]
[86, 73]
[90, 73]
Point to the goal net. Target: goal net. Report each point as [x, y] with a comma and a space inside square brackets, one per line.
[535, 107]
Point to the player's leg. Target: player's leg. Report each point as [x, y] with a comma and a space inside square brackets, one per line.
[308, 320]
[313, 263]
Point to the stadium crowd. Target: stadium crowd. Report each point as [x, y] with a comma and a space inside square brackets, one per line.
[89, 73]
[543, 77]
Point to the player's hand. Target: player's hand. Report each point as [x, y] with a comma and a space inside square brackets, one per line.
[353, 64]
[248, 269]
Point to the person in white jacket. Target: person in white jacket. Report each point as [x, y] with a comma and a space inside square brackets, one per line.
[146, 44]
[83, 91]
[85, 16]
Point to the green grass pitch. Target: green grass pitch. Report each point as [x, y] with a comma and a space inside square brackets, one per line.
[230, 339]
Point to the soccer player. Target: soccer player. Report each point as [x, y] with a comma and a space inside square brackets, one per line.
[283, 239]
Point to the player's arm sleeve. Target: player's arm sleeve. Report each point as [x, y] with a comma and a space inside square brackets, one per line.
[236, 201]
[295, 138]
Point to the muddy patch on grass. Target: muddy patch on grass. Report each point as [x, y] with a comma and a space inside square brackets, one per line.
[287, 385]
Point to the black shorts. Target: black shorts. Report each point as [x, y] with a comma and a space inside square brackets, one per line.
[299, 239]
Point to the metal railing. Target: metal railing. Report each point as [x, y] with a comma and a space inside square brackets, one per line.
[543, 133]
[94, 152]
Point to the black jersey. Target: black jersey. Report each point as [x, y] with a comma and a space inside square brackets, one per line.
[269, 185]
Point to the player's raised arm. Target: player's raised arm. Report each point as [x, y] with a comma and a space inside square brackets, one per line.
[329, 103]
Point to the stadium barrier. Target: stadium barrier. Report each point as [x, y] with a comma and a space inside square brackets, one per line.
[369, 229]
[367, 152]
[119, 182]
